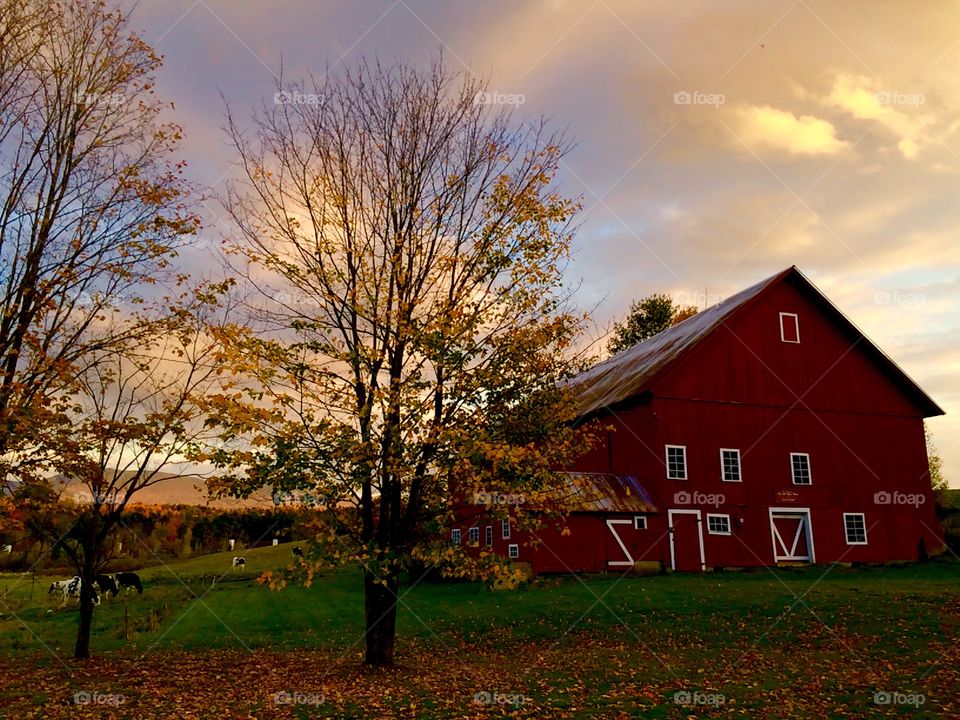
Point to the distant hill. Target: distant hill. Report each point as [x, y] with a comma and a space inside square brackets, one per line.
[179, 490]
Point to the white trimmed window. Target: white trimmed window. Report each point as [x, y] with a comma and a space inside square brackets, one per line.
[730, 464]
[455, 536]
[513, 550]
[800, 468]
[505, 528]
[639, 522]
[474, 535]
[855, 528]
[488, 535]
[676, 456]
[789, 328]
[718, 524]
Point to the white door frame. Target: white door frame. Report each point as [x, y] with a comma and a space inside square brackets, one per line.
[629, 562]
[673, 556]
[806, 522]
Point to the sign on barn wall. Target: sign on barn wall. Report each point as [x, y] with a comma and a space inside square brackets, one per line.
[787, 496]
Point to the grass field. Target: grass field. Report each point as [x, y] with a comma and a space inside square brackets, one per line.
[817, 642]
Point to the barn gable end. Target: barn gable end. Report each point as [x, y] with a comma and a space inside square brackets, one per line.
[728, 347]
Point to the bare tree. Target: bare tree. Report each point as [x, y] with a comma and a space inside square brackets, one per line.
[92, 208]
[410, 330]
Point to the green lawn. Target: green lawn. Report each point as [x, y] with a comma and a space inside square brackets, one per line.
[806, 643]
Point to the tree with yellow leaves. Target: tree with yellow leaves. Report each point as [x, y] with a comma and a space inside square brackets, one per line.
[93, 211]
[93, 207]
[403, 243]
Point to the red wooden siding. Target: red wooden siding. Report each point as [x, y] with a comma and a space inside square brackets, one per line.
[746, 363]
[832, 396]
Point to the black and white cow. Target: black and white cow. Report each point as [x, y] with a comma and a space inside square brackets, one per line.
[71, 589]
[129, 580]
[58, 586]
[297, 551]
[75, 586]
[105, 584]
[239, 563]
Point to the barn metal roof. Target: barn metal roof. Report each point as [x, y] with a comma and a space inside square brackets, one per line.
[602, 492]
[630, 373]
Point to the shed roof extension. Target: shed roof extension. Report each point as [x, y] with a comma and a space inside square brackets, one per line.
[602, 492]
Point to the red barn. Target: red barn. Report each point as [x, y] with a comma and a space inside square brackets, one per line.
[766, 429]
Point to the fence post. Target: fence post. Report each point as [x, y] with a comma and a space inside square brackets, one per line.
[126, 620]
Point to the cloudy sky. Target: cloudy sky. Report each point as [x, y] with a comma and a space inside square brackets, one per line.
[717, 142]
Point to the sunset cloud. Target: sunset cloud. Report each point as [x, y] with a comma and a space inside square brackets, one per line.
[852, 118]
[767, 127]
[898, 111]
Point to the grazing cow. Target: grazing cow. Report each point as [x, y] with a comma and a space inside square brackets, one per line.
[71, 589]
[131, 581]
[74, 586]
[297, 551]
[58, 586]
[105, 584]
[239, 563]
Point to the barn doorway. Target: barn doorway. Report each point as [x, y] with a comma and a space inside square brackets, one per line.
[686, 540]
[621, 552]
[792, 535]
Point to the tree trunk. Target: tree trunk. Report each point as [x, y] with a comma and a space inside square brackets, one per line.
[381, 619]
[82, 649]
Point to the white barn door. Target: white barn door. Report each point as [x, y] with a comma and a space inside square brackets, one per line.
[792, 535]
